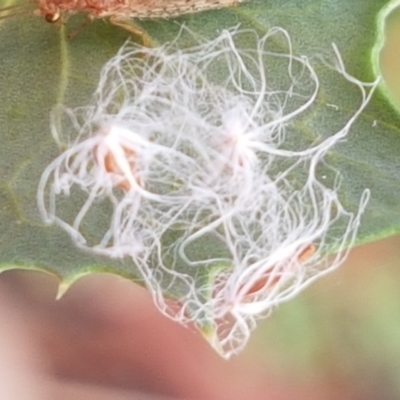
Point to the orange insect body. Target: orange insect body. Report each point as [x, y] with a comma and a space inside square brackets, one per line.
[268, 281]
[111, 166]
[52, 10]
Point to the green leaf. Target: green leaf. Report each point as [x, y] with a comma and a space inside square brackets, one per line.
[40, 68]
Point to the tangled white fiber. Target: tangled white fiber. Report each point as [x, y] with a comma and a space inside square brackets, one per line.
[182, 163]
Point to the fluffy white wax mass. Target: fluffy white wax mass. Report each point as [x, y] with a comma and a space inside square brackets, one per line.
[194, 141]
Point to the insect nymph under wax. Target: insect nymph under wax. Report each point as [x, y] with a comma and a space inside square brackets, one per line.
[187, 163]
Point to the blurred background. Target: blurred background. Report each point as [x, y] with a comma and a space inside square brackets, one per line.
[340, 339]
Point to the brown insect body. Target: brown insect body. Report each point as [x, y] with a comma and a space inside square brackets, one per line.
[52, 10]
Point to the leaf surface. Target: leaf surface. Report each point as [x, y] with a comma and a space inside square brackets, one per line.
[40, 67]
